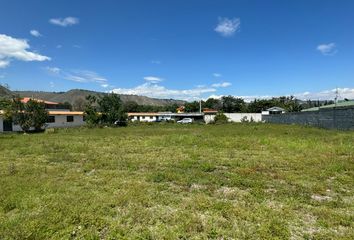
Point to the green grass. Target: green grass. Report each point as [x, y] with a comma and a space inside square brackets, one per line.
[239, 181]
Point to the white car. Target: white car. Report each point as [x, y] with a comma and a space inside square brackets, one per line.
[185, 120]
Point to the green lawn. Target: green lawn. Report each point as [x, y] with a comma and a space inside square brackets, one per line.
[239, 181]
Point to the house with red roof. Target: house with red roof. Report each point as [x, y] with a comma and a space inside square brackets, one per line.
[60, 116]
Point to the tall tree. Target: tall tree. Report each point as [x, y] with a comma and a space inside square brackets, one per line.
[92, 116]
[111, 108]
[107, 109]
[213, 103]
[28, 115]
[231, 104]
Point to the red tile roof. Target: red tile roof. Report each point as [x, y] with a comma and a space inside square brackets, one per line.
[26, 100]
[208, 110]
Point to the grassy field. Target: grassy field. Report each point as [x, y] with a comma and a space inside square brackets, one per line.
[240, 181]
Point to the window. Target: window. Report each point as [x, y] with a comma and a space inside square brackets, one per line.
[69, 118]
[51, 119]
[151, 117]
[143, 117]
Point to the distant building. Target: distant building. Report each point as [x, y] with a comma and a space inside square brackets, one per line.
[163, 116]
[59, 116]
[273, 110]
[181, 109]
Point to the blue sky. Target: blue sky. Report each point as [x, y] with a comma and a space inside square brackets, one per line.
[180, 49]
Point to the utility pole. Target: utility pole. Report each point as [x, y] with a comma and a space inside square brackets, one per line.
[334, 109]
[200, 106]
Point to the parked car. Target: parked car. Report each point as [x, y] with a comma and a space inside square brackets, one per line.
[121, 123]
[185, 120]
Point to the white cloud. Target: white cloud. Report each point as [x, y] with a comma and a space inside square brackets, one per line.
[54, 70]
[59, 46]
[157, 91]
[85, 76]
[51, 84]
[327, 49]
[217, 75]
[16, 49]
[155, 61]
[222, 84]
[35, 33]
[64, 22]
[153, 79]
[327, 94]
[82, 76]
[4, 63]
[228, 27]
[105, 85]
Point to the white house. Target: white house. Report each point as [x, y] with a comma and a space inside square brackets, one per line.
[59, 116]
[163, 116]
[273, 110]
[65, 119]
[143, 117]
[56, 119]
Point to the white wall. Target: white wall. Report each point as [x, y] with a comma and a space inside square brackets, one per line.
[60, 121]
[236, 117]
[208, 118]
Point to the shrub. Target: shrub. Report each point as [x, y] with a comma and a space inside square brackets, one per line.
[220, 118]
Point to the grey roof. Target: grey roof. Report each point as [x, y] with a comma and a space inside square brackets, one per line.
[276, 109]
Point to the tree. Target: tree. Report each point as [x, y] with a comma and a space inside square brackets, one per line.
[91, 114]
[131, 106]
[259, 105]
[4, 104]
[107, 109]
[231, 104]
[28, 115]
[213, 103]
[111, 109]
[192, 106]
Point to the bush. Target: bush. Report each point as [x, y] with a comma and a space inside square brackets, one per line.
[221, 118]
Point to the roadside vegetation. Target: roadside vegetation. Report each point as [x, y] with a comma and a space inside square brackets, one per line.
[169, 181]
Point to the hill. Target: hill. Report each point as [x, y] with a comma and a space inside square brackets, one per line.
[74, 95]
[4, 92]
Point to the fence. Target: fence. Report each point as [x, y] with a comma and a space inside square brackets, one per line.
[331, 118]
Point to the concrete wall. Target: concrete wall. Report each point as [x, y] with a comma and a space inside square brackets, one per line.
[236, 117]
[339, 118]
[60, 121]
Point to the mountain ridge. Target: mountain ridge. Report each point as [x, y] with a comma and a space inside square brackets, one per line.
[74, 95]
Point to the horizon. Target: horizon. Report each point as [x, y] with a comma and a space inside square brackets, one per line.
[180, 50]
